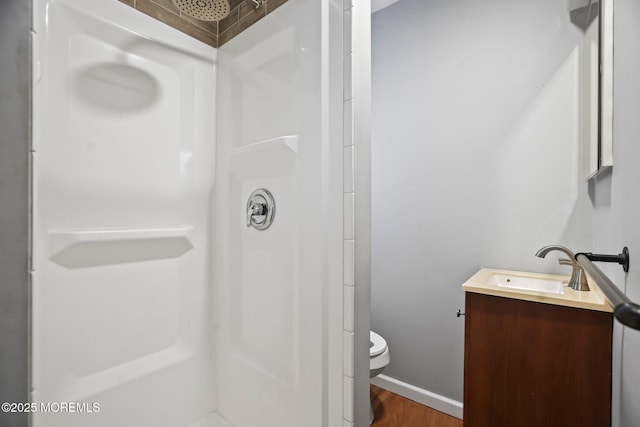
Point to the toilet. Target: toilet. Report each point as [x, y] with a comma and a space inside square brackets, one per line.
[378, 359]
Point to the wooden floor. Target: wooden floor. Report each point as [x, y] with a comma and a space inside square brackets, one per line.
[392, 410]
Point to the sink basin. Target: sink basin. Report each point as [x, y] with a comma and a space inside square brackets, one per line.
[526, 283]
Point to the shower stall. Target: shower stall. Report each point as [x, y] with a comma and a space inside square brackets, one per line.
[160, 296]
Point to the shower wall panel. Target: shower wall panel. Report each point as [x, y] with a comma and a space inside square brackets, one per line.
[123, 164]
[279, 290]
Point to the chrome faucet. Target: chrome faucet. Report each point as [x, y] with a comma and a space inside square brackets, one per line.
[578, 280]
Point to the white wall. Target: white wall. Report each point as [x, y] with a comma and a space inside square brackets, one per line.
[617, 206]
[357, 249]
[475, 163]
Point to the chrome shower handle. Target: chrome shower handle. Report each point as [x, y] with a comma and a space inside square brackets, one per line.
[261, 209]
[253, 209]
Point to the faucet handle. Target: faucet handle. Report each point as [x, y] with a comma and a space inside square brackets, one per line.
[578, 279]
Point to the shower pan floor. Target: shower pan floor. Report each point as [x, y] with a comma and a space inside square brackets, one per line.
[213, 420]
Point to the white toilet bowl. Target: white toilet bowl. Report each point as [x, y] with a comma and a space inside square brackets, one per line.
[378, 358]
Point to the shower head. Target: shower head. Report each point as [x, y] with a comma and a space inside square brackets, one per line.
[204, 10]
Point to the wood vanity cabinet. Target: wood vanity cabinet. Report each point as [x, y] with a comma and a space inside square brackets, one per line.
[530, 364]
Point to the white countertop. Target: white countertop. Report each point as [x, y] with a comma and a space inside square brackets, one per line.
[593, 299]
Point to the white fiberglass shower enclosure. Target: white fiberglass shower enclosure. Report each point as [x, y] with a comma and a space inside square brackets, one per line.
[153, 303]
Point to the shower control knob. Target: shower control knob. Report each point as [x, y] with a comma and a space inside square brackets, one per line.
[261, 209]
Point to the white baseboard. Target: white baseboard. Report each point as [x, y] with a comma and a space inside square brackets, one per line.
[420, 395]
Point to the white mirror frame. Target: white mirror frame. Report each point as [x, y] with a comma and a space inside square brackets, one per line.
[605, 140]
[596, 97]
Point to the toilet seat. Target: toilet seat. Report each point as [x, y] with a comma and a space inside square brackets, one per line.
[378, 360]
[377, 346]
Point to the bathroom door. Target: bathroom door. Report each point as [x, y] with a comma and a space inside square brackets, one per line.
[123, 165]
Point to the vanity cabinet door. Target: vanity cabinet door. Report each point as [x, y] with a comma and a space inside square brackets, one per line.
[529, 364]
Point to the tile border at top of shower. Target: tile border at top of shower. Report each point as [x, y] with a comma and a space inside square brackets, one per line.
[242, 15]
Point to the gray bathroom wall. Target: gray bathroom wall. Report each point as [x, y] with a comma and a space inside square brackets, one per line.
[475, 162]
[616, 203]
[15, 24]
